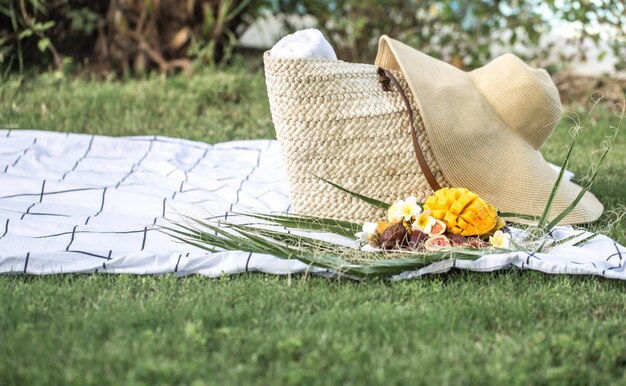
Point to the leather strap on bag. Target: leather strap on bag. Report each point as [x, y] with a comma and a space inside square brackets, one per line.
[385, 77]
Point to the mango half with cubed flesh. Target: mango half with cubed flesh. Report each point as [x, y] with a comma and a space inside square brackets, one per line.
[462, 211]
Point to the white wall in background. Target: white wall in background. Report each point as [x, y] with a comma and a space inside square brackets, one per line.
[267, 30]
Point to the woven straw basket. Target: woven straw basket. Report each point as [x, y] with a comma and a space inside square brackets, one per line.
[335, 120]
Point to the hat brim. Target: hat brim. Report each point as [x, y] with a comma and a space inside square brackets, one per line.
[472, 145]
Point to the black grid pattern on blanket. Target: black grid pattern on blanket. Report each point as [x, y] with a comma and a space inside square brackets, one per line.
[84, 203]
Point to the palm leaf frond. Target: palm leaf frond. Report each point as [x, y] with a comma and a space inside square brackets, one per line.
[369, 200]
[339, 227]
[311, 251]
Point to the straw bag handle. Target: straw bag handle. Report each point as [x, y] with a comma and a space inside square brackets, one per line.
[384, 76]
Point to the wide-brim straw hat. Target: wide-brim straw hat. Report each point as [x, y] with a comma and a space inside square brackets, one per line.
[485, 128]
[412, 124]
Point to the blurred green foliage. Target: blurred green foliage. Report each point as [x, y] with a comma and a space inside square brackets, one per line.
[123, 36]
[22, 24]
[465, 33]
[137, 36]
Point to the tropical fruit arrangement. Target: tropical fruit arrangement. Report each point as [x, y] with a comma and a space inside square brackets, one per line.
[453, 217]
[453, 223]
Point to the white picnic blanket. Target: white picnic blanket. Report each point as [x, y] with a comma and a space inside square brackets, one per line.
[84, 203]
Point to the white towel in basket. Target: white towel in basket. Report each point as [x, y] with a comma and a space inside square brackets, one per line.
[307, 43]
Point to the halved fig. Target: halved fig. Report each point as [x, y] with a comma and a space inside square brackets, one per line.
[436, 243]
[438, 229]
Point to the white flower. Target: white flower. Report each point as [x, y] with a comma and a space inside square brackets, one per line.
[393, 216]
[411, 200]
[500, 240]
[403, 210]
[424, 222]
[369, 229]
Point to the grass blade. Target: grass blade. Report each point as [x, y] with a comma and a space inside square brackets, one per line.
[567, 239]
[548, 208]
[607, 144]
[586, 239]
[528, 217]
[584, 190]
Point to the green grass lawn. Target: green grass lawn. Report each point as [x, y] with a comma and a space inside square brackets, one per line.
[511, 327]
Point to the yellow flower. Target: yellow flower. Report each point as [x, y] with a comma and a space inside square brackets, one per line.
[424, 222]
[500, 240]
[403, 210]
[369, 229]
